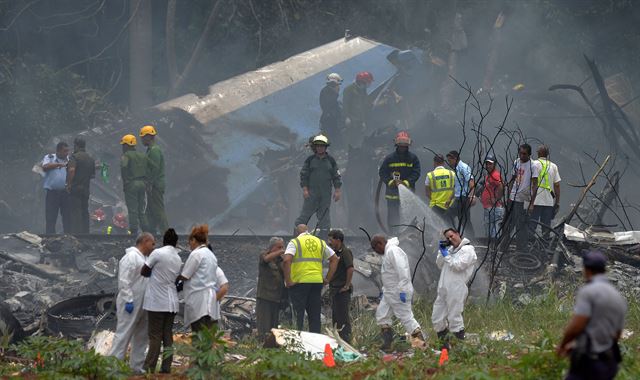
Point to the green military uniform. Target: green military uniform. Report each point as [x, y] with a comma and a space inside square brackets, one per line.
[156, 217]
[133, 169]
[318, 174]
[85, 170]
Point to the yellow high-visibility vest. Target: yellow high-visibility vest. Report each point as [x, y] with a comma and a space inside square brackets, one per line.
[307, 262]
[543, 178]
[441, 183]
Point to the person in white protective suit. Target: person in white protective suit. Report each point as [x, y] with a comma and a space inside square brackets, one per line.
[456, 259]
[397, 292]
[132, 320]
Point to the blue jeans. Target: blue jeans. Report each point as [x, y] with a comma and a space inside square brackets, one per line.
[492, 220]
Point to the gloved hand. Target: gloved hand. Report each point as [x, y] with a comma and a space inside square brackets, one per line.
[179, 285]
[380, 297]
[444, 251]
[128, 307]
[403, 297]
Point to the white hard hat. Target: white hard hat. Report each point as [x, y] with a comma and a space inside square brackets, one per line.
[334, 78]
[320, 140]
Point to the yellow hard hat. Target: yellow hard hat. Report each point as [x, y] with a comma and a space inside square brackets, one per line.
[147, 130]
[128, 140]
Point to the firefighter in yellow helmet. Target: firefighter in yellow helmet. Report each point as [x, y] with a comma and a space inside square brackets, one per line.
[156, 217]
[133, 170]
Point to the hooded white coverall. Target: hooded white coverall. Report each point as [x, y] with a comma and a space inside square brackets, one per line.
[396, 279]
[131, 328]
[456, 269]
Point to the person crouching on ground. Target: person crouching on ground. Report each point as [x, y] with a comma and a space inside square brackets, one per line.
[199, 276]
[397, 292]
[456, 260]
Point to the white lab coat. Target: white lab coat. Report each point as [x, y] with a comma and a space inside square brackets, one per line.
[131, 328]
[396, 279]
[199, 290]
[456, 269]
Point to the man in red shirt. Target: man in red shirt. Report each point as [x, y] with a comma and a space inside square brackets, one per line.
[492, 198]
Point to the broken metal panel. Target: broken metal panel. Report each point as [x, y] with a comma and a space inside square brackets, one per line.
[272, 108]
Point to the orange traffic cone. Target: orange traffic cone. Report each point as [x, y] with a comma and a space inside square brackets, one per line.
[444, 356]
[328, 356]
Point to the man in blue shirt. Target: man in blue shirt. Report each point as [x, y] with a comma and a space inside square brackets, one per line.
[464, 194]
[55, 176]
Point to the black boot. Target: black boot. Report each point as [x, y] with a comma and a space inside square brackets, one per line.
[444, 338]
[387, 339]
[459, 334]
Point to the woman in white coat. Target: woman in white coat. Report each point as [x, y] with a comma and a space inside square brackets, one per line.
[199, 276]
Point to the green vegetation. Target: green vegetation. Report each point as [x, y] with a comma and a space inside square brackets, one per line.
[530, 354]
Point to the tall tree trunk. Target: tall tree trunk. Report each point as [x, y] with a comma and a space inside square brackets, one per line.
[197, 51]
[140, 56]
[172, 66]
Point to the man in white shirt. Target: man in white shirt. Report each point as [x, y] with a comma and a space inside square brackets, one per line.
[132, 321]
[161, 300]
[54, 166]
[547, 201]
[523, 188]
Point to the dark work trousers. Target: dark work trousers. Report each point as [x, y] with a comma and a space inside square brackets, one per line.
[544, 215]
[79, 212]
[319, 203]
[306, 297]
[203, 323]
[598, 369]
[160, 334]
[56, 202]
[267, 315]
[518, 223]
[445, 215]
[156, 218]
[393, 214]
[461, 210]
[340, 302]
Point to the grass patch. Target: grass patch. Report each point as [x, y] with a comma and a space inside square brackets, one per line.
[530, 354]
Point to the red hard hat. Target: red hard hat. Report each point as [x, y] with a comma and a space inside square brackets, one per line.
[364, 76]
[119, 220]
[402, 138]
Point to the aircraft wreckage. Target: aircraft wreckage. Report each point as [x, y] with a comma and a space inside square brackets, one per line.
[246, 140]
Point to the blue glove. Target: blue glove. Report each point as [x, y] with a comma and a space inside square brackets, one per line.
[128, 307]
[444, 252]
[403, 297]
[380, 297]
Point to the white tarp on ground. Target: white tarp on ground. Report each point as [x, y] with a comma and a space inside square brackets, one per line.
[304, 342]
[602, 237]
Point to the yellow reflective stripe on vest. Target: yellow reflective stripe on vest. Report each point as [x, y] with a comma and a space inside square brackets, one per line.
[307, 262]
[441, 183]
[392, 197]
[543, 181]
[401, 165]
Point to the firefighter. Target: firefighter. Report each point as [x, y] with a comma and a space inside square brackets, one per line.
[319, 173]
[356, 107]
[156, 217]
[399, 168]
[331, 118]
[133, 169]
